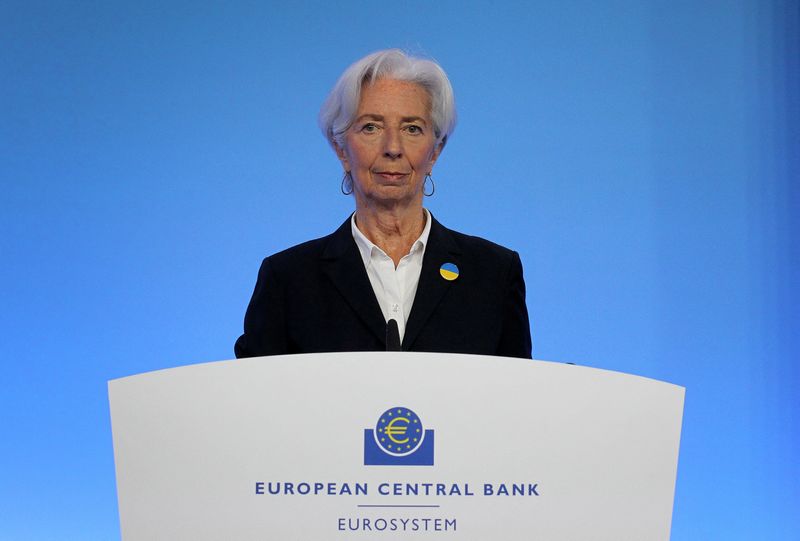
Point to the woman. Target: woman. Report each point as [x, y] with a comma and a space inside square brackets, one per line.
[388, 119]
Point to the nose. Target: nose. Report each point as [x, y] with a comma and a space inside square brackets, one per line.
[392, 145]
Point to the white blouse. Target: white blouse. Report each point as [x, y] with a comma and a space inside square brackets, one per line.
[394, 288]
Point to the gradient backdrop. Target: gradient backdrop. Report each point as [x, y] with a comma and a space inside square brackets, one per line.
[642, 156]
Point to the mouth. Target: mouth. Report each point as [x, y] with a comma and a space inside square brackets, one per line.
[390, 175]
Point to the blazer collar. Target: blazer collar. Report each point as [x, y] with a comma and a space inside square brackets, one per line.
[343, 265]
[442, 248]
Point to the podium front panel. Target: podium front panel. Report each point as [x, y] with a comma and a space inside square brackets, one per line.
[392, 446]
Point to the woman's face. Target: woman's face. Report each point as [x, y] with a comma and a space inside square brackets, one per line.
[391, 145]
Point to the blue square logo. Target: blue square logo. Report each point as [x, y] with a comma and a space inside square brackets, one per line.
[398, 439]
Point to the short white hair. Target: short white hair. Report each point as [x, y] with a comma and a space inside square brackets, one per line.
[338, 112]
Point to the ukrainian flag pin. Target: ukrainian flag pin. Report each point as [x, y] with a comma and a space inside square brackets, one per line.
[449, 271]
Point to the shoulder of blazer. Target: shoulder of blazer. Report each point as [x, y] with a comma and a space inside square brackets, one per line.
[334, 245]
[470, 245]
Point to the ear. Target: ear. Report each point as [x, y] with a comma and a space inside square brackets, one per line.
[341, 154]
[438, 150]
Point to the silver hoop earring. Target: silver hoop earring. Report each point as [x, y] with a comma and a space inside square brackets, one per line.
[433, 186]
[347, 183]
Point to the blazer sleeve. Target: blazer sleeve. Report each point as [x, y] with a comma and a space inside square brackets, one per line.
[264, 321]
[515, 340]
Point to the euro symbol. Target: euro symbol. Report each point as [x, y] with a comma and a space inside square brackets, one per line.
[392, 430]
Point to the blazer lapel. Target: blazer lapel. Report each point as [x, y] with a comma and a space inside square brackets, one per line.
[441, 248]
[343, 265]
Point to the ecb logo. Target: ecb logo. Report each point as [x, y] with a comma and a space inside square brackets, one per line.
[398, 439]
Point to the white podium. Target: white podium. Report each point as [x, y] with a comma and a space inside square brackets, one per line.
[394, 446]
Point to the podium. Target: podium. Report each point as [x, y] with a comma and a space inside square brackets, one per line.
[394, 445]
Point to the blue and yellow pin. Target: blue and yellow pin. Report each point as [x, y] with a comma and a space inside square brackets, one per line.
[449, 271]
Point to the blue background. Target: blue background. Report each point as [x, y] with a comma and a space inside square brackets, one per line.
[642, 156]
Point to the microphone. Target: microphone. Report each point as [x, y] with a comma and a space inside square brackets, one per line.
[392, 336]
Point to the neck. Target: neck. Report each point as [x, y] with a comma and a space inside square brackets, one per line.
[393, 231]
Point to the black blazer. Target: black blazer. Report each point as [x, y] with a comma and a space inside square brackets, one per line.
[316, 297]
